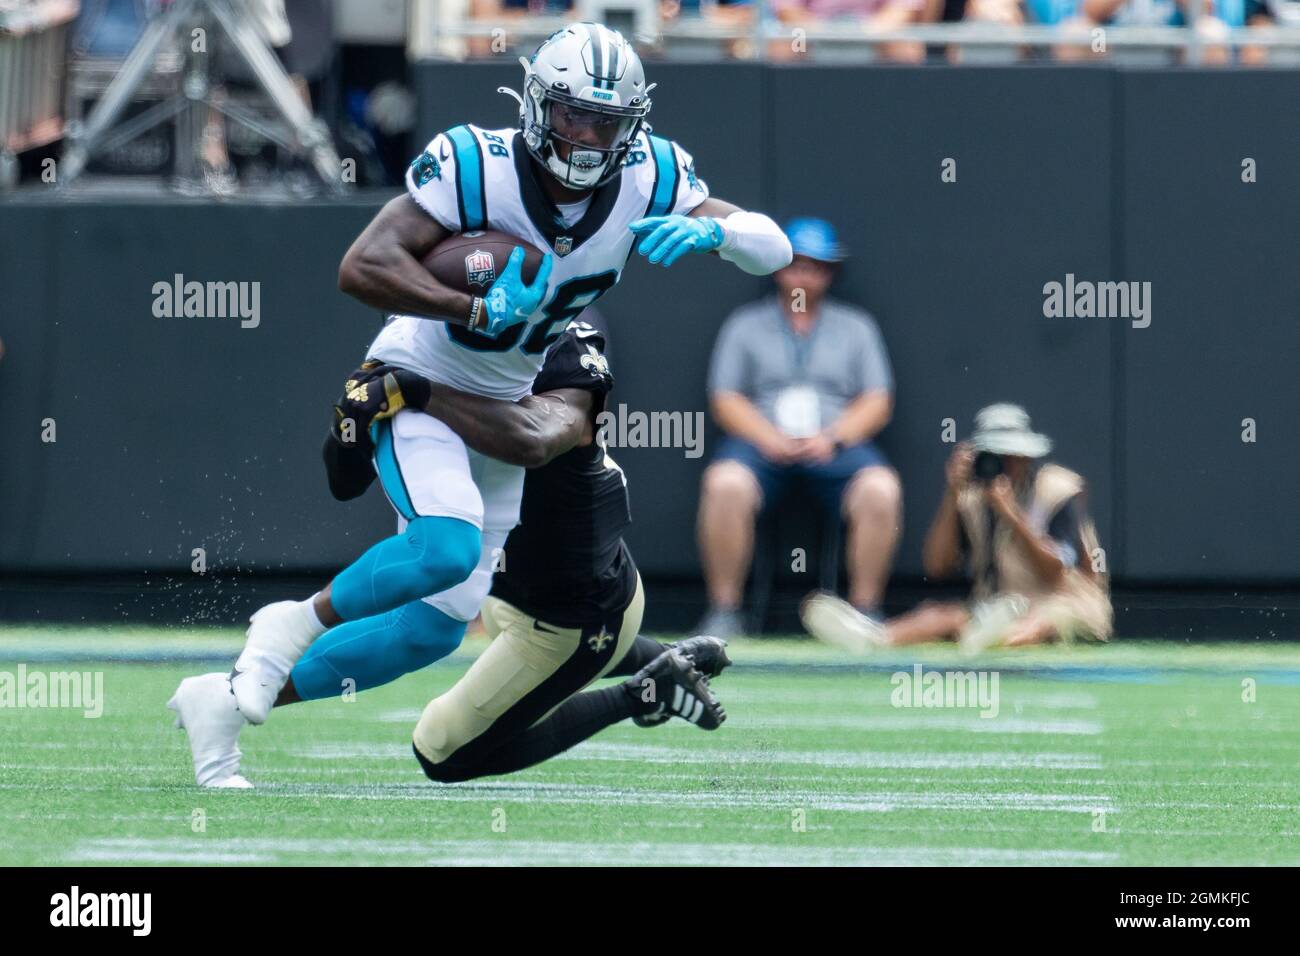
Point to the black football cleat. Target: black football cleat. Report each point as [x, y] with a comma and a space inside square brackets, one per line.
[708, 654]
[670, 687]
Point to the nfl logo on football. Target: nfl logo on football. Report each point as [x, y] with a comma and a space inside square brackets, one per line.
[480, 269]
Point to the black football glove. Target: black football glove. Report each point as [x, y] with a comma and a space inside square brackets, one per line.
[373, 392]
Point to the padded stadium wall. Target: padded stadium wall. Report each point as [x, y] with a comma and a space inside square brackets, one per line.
[173, 434]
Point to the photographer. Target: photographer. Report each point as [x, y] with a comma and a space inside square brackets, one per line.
[1021, 526]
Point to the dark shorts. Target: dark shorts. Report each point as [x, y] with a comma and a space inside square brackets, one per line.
[823, 483]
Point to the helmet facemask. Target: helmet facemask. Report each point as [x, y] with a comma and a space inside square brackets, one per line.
[582, 144]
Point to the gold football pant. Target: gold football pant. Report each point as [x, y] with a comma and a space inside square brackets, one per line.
[528, 671]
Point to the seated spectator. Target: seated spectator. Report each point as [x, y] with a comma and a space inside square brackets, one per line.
[735, 14]
[109, 28]
[494, 13]
[876, 14]
[1215, 18]
[1257, 13]
[490, 9]
[1021, 525]
[1063, 14]
[801, 385]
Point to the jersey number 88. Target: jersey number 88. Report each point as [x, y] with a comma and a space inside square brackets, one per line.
[570, 298]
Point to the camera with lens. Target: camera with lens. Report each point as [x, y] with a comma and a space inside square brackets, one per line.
[987, 466]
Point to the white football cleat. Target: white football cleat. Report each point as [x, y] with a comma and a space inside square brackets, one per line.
[277, 636]
[990, 622]
[206, 710]
[835, 621]
[233, 782]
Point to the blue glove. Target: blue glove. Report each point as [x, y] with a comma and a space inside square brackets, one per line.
[668, 238]
[509, 301]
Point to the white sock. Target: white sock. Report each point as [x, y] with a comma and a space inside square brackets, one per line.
[290, 643]
[313, 619]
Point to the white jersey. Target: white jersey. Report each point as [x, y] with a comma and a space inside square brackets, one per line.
[472, 179]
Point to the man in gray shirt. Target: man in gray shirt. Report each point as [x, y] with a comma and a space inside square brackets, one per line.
[801, 384]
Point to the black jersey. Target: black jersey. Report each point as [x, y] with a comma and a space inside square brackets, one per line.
[566, 563]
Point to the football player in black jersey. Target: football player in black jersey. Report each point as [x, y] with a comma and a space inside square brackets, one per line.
[566, 600]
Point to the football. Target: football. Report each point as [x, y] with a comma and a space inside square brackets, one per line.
[471, 261]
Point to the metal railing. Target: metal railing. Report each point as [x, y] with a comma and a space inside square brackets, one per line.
[687, 38]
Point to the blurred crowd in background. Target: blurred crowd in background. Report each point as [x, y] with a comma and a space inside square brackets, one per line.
[775, 29]
[350, 62]
[1074, 19]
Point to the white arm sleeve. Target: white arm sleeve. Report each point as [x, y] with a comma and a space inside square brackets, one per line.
[754, 243]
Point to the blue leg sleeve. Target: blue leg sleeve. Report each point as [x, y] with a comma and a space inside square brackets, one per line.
[431, 555]
[376, 650]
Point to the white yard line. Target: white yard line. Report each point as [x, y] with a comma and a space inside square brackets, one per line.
[854, 801]
[527, 852]
[969, 722]
[99, 854]
[855, 759]
[661, 754]
[852, 698]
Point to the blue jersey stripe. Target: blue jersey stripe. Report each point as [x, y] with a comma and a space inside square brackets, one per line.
[665, 194]
[390, 475]
[469, 178]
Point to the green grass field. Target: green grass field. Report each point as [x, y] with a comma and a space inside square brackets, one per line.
[1132, 754]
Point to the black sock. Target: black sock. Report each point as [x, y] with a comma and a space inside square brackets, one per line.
[641, 653]
[578, 718]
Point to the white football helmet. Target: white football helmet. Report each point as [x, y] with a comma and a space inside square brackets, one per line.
[584, 81]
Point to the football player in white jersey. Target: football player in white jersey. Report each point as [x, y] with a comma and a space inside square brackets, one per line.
[582, 179]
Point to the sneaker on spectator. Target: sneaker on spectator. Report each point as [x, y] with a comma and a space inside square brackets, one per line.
[722, 622]
[838, 623]
[990, 622]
